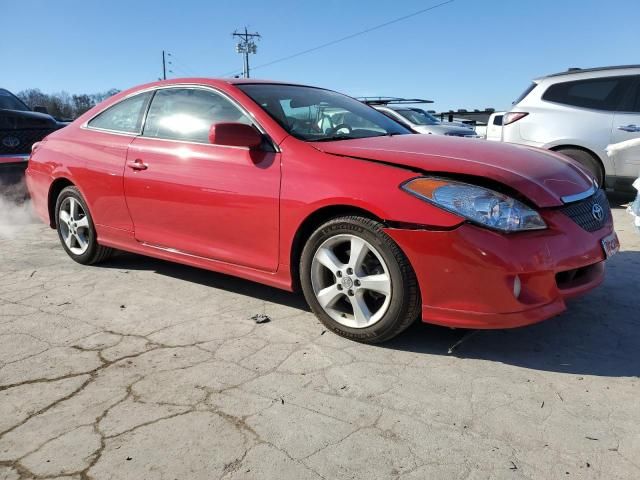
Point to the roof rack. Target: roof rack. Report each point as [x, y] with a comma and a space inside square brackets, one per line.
[596, 69]
[393, 100]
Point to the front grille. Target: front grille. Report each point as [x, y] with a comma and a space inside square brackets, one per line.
[19, 141]
[584, 212]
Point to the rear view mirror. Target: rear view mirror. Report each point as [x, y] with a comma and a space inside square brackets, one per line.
[235, 135]
[40, 109]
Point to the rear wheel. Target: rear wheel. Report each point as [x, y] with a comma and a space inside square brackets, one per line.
[76, 229]
[358, 281]
[587, 161]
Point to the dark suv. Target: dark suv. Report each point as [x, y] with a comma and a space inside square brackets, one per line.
[20, 128]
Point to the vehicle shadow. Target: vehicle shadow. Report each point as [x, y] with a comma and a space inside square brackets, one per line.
[599, 334]
[131, 261]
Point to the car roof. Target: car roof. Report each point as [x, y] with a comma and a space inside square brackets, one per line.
[579, 71]
[212, 81]
[397, 107]
[241, 81]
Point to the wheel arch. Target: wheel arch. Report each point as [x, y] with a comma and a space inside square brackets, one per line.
[310, 224]
[56, 187]
[594, 155]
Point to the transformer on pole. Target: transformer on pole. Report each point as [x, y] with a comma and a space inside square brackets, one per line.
[246, 45]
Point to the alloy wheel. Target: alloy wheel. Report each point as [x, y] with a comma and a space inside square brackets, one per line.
[74, 225]
[351, 281]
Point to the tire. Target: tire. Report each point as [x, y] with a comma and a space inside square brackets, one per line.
[82, 246]
[350, 287]
[587, 161]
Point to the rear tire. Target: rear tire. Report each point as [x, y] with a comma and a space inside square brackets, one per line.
[588, 161]
[369, 290]
[76, 230]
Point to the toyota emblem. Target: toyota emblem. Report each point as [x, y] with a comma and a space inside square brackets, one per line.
[597, 212]
[11, 142]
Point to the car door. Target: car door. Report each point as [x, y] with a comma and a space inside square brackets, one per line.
[185, 194]
[624, 147]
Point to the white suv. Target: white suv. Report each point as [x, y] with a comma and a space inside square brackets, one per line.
[579, 113]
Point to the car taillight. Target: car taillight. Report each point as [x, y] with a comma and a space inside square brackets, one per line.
[513, 117]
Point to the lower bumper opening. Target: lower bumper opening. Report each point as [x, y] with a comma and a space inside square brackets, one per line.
[578, 277]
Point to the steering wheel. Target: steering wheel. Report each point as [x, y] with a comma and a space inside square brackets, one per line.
[298, 125]
[343, 126]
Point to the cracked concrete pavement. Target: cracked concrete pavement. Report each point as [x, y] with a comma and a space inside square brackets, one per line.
[139, 368]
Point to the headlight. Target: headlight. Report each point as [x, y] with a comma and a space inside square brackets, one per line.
[478, 204]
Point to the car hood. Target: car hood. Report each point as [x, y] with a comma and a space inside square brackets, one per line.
[22, 119]
[542, 176]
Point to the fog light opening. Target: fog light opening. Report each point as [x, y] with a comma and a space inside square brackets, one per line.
[517, 286]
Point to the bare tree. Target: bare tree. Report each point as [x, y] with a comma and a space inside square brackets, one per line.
[62, 105]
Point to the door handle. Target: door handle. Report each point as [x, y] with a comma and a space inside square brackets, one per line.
[629, 128]
[137, 164]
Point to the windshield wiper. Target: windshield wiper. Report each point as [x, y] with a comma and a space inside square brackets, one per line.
[333, 138]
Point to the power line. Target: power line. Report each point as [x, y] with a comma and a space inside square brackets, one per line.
[348, 37]
[183, 66]
[171, 63]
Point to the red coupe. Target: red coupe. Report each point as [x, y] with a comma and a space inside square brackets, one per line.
[302, 187]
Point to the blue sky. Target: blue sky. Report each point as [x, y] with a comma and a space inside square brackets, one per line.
[467, 54]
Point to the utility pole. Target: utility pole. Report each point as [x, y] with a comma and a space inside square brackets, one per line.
[246, 45]
[164, 66]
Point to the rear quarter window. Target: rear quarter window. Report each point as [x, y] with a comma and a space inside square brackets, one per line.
[497, 120]
[595, 93]
[125, 116]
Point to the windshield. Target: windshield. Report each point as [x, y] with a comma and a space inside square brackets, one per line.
[418, 116]
[9, 101]
[314, 114]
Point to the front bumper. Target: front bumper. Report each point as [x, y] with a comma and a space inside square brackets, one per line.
[467, 275]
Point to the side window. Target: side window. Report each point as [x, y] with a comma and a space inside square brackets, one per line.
[632, 102]
[597, 93]
[125, 116]
[497, 120]
[188, 113]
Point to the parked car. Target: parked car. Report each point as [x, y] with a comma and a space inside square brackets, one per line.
[403, 110]
[376, 226]
[578, 113]
[20, 128]
[494, 127]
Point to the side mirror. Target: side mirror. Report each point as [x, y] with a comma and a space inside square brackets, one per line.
[235, 135]
[40, 109]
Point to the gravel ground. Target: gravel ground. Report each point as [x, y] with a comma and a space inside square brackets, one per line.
[142, 369]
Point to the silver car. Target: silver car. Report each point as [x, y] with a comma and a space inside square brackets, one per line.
[403, 110]
[584, 113]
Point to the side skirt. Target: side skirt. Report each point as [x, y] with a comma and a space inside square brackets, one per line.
[124, 240]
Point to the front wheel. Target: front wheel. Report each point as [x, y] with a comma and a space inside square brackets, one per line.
[76, 229]
[358, 281]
